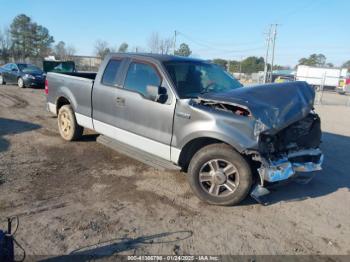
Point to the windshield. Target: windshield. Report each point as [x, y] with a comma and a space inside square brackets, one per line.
[25, 68]
[192, 78]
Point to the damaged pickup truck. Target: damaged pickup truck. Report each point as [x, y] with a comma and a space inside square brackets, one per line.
[181, 113]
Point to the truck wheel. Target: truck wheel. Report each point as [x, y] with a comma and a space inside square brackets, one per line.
[67, 124]
[20, 83]
[219, 175]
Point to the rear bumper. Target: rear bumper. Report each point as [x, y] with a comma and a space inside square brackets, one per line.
[305, 161]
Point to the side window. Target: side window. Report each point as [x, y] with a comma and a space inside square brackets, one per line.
[140, 76]
[111, 72]
[14, 67]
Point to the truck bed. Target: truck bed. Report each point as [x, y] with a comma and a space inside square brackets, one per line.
[77, 86]
[89, 75]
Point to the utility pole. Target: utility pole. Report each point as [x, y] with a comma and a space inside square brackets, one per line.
[175, 34]
[268, 40]
[273, 47]
[240, 68]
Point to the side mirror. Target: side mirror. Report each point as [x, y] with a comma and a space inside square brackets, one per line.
[14, 70]
[157, 94]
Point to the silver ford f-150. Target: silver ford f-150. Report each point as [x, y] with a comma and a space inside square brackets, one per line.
[189, 114]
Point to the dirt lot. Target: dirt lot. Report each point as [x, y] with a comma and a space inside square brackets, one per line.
[84, 198]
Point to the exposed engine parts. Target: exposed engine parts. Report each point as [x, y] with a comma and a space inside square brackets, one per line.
[303, 134]
[236, 109]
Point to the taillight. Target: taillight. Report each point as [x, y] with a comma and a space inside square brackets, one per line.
[46, 87]
[347, 82]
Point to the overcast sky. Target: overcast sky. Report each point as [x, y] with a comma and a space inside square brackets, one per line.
[213, 29]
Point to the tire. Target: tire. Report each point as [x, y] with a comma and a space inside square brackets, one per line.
[2, 80]
[20, 83]
[229, 184]
[67, 124]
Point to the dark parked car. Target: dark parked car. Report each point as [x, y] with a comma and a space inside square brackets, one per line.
[24, 75]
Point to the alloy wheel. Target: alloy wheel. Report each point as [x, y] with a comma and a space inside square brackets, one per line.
[20, 82]
[219, 177]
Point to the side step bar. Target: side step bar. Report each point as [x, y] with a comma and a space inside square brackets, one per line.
[137, 154]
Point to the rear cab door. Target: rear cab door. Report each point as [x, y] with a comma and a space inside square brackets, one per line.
[122, 111]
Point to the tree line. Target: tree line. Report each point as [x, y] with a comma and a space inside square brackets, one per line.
[26, 39]
[156, 45]
[253, 64]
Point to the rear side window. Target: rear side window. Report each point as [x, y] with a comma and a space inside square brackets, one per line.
[140, 76]
[111, 72]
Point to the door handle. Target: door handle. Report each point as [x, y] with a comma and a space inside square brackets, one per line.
[120, 101]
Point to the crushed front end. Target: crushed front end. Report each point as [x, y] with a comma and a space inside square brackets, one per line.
[292, 153]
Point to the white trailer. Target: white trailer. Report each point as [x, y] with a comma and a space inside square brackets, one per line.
[319, 76]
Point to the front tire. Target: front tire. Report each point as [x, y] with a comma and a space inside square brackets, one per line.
[67, 124]
[219, 175]
[20, 83]
[2, 80]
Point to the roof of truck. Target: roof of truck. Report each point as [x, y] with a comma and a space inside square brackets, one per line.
[159, 57]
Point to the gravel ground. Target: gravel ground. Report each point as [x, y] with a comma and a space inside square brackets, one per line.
[84, 198]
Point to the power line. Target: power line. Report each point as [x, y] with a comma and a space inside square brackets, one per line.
[206, 43]
[216, 48]
[298, 10]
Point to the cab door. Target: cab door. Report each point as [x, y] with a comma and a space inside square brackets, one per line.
[130, 116]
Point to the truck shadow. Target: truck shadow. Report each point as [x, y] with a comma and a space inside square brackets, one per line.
[115, 246]
[11, 126]
[334, 176]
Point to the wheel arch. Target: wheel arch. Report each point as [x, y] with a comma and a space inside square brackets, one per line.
[192, 146]
[61, 101]
[65, 97]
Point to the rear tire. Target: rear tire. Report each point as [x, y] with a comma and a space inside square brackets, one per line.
[67, 124]
[219, 175]
[20, 83]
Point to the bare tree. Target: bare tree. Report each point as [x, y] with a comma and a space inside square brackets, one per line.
[165, 45]
[70, 51]
[159, 45]
[63, 51]
[102, 48]
[5, 45]
[154, 43]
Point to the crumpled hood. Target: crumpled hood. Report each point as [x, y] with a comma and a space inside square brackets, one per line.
[274, 105]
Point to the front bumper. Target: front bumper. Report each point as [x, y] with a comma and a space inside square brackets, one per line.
[299, 166]
[34, 82]
[282, 169]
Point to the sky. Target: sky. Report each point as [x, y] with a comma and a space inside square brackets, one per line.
[229, 29]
